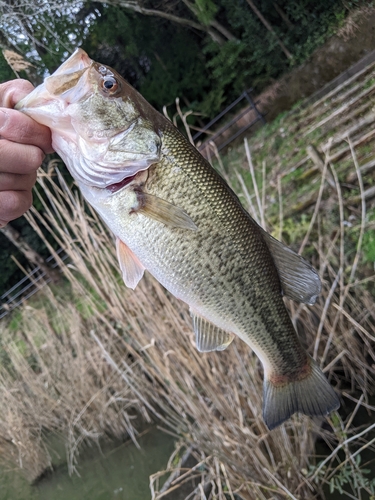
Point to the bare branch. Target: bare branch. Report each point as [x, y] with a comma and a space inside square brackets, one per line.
[215, 24]
[136, 7]
[269, 27]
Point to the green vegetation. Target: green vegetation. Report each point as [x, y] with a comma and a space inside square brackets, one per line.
[207, 64]
[205, 52]
[89, 359]
[352, 474]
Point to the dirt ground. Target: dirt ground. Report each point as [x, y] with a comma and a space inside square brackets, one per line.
[340, 57]
[353, 42]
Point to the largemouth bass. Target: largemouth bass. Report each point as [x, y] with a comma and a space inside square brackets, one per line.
[174, 216]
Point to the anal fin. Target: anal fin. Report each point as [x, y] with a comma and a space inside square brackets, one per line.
[209, 337]
[163, 211]
[131, 268]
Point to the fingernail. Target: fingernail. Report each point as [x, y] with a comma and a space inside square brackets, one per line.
[3, 118]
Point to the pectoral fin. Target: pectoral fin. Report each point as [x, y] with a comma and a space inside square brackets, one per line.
[299, 280]
[132, 270]
[163, 211]
[209, 337]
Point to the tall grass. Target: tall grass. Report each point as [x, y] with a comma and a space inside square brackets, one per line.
[93, 359]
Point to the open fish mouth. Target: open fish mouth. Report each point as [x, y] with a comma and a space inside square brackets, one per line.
[89, 131]
[77, 61]
[44, 100]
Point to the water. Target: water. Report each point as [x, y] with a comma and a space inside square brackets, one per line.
[118, 472]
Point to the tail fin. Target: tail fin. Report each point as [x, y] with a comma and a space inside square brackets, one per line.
[311, 395]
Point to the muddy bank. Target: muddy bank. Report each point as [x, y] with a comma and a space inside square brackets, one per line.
[351, 49]
[354, 41]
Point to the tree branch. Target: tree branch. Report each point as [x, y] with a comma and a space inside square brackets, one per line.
[269, 27]
[135, 7]
[215, 24]
[283, 16]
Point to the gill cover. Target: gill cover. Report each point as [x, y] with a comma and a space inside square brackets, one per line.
[98, 123]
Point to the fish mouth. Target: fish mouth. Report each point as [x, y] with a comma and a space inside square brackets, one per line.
[62, 102]
[69, 73]
[79, 60]
[65, 78]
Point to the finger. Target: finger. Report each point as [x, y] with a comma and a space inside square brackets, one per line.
[17, 182]
[13, 91]
[19, 158]
[17, 127]
[13, 204]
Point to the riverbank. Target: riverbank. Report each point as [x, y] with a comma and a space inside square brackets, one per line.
[106, 470]
[91, 359]
[339, 58]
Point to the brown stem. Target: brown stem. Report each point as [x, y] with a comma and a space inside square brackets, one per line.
[283, 16]
[269, 27]
[5, 44]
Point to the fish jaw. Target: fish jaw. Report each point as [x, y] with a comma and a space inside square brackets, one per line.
[77, 61]
[44, 103]
[102, 139]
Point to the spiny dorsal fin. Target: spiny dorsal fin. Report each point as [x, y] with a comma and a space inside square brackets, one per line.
[163, 211]
[132, 270]
[299, 280]
[209, 337]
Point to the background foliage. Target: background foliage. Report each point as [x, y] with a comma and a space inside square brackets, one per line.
[205, 52]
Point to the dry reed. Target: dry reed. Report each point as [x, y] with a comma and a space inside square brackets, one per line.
[95, 359]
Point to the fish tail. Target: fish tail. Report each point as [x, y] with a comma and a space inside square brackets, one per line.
[309, 393]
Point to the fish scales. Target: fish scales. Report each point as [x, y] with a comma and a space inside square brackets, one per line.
[224, 269]
[174, 216]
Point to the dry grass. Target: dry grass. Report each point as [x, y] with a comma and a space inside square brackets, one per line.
[93, 359]
[353, 22]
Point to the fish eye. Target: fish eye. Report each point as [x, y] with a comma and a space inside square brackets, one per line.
[109, 83]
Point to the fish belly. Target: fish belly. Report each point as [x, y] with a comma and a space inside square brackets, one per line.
[223, 270]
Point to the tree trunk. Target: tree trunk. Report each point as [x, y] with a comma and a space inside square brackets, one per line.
[30, 254]
[269, 27]
[215, 24]
[135, 7]
[283, 16]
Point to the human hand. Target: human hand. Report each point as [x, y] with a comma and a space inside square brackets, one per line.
[23, 144]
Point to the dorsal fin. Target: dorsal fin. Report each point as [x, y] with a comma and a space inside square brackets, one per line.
[209, 337]
[132, 270]
[299, 280]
